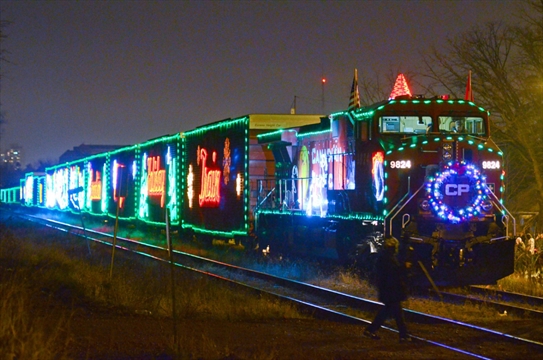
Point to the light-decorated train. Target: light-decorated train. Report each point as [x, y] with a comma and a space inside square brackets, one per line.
[327, 186]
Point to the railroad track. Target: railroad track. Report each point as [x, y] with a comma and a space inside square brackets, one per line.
[505, 303]
[464, 339]
[508, 296]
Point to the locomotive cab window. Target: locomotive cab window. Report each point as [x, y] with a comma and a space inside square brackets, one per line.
[462, 125]
[405, 124]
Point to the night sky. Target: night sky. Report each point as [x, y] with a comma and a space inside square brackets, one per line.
[123, 72]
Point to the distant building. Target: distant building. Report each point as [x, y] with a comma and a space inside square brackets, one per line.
[12, 157]
[82, 151]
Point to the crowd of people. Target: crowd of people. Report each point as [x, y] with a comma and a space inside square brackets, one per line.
[526, 242]
[528, 259]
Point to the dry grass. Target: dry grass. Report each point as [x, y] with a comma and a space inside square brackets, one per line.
[29, 337]
[50, 266]
[26, 331]
[528, 276]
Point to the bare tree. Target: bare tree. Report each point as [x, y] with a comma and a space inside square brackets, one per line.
[3, 59]
[3, 52]
[507, 66]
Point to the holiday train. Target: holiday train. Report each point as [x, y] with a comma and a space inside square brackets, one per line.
[326, 186]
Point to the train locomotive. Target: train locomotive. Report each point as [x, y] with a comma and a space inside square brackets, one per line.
[397, 168]
[422, 170]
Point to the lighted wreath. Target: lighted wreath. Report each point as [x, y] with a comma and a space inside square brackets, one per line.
[457, 192]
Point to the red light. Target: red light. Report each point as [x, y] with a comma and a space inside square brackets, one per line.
[323, 80]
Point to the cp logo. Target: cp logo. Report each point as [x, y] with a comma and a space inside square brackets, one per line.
[456, 189]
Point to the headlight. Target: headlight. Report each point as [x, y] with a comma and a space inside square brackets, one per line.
[487, 205]
[424, 205]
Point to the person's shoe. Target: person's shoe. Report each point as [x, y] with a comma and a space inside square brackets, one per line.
[371, 335]
[404, 339]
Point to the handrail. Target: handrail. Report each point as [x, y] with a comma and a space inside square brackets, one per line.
[500, 206]
[272, 190]
[279, 188]
[400, 209]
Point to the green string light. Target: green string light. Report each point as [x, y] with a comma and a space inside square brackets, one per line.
[351, 216]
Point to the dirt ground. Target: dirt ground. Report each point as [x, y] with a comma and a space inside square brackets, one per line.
[116, 335]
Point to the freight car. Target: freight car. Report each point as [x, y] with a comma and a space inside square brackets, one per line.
[203, 179]
[328, 186]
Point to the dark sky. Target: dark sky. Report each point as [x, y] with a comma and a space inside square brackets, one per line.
[122, 72]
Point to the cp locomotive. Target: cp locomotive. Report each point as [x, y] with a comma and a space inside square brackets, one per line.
[423, 170]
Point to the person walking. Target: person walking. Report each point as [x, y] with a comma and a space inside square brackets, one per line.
[392, 289]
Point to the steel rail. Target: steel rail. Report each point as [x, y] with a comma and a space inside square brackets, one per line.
[499, 306]
[509, 295]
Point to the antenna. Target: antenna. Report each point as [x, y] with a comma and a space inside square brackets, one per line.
[323, 81]
[293, 106]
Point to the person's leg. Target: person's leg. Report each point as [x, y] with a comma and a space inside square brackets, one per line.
[397, 312]
[380, 318]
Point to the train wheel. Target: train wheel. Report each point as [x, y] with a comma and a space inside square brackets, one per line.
[343, 248]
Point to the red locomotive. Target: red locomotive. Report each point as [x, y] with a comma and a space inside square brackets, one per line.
[422, 170]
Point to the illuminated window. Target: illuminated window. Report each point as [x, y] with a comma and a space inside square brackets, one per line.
[405, 124]
[462, 125]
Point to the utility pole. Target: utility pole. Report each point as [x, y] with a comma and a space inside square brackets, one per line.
[323, 81]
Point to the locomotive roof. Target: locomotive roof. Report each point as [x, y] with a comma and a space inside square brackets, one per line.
[282, 121]
[418, 104]
[272, 121]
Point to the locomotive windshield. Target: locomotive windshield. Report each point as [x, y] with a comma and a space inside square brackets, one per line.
[423, 124]
[462, 125]
[404, 124]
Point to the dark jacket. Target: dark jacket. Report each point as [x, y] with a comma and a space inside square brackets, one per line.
[391, 278]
